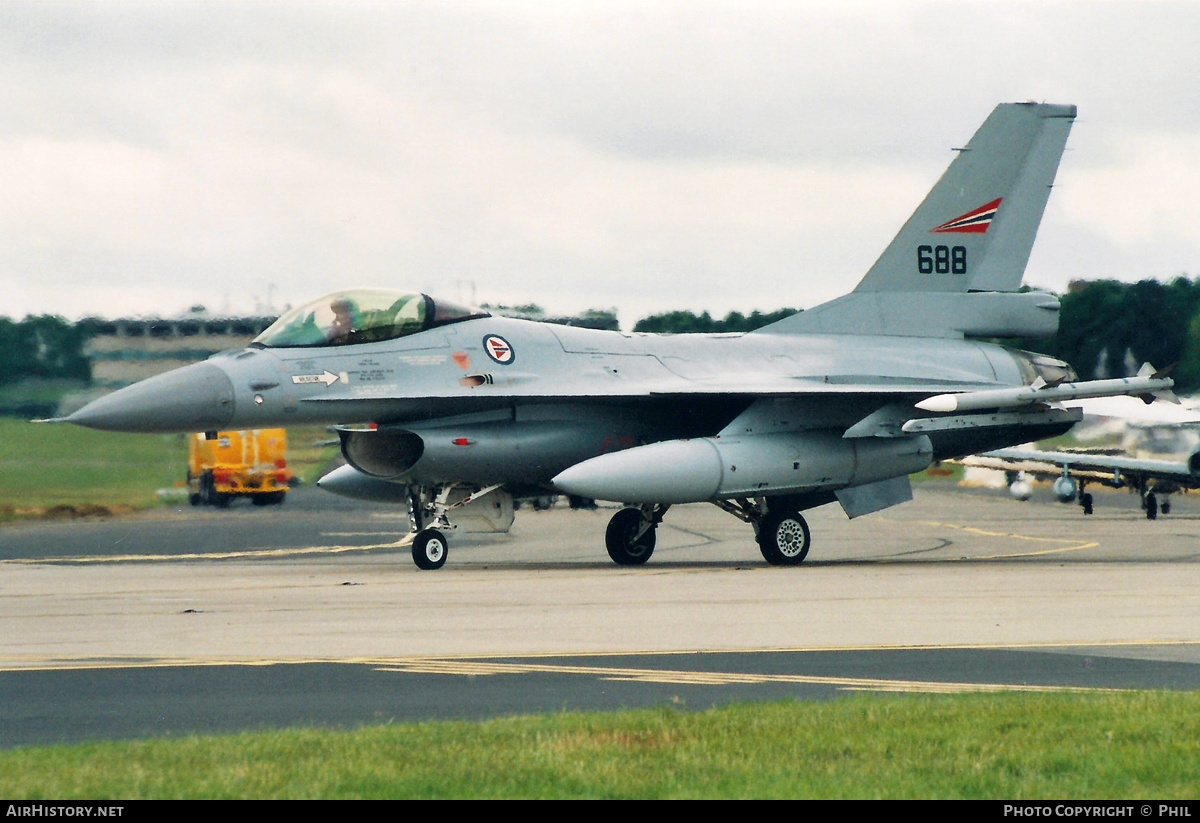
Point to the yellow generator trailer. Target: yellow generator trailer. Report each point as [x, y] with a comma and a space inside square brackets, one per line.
[238, 464]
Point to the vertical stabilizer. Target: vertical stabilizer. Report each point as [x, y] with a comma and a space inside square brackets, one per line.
[975, 229]
[951, 270]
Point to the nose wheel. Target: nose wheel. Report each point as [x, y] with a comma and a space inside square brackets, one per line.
[429, 549]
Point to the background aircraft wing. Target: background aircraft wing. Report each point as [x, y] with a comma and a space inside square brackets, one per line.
[1136, 411]
[1117, 470]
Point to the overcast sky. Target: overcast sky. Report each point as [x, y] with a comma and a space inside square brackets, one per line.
[642, 156]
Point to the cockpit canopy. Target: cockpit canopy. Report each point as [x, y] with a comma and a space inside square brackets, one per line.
[345, 318]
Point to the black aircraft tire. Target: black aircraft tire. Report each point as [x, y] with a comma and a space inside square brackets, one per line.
[1151, 507]
[1085, 500]
[618, 538]
[783, 538]
[429, 549]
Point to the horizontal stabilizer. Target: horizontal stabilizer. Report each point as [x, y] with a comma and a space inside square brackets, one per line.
[921, 314]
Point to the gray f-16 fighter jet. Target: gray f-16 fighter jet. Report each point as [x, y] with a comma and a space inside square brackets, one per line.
[439, 404]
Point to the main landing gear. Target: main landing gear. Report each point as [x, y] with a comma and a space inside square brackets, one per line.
[1152, 506]
[630, 536]
[783, 538]
[780, 530]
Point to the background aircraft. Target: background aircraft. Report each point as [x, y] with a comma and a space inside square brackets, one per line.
[446, 407]
[1073, 471]
[1149, 461]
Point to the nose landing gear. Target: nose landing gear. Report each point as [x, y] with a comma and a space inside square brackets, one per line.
[429, 546]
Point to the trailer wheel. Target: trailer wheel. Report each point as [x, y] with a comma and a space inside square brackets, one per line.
[206, 489]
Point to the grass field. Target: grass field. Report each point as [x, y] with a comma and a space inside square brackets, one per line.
[1121, 745]
[49, 469]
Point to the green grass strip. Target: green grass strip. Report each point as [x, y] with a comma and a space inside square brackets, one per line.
[1119, 745]
[44, 466]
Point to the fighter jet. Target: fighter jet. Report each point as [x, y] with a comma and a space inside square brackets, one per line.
[1074, 471]
[439, 405]
[1161, 458]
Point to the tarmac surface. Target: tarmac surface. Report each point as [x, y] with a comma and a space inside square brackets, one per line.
[311, 613]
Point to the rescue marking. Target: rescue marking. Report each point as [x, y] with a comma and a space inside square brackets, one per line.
[328, 378]
[422, 359]
[498, 349]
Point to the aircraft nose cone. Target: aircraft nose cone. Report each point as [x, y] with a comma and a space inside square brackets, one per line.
[194, 398]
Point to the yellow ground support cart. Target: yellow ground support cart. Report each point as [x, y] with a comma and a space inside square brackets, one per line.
[238, 464]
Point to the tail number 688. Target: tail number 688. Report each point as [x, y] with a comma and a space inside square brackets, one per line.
[942, 259]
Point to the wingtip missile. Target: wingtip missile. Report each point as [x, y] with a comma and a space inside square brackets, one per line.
[1144, 384]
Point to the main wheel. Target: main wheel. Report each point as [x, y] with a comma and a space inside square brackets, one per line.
[1085, 500]
[1151, 507]
[783, 538]
[624, 545]
[429, 549]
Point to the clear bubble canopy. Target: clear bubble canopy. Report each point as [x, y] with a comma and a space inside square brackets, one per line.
[354, 316]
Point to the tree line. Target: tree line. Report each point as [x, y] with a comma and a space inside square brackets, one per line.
[42, 346]
[1107, 329]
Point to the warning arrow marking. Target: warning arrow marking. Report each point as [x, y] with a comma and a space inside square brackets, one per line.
[328, 378]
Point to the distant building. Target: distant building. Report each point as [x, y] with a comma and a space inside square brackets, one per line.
[128, 350]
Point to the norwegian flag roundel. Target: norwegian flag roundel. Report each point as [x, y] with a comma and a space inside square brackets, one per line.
[498, 349]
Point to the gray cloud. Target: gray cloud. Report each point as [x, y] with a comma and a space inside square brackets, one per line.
[709, 155]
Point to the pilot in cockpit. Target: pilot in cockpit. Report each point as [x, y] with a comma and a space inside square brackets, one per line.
[344, 320]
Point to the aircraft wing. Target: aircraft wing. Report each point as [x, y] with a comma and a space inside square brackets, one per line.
[1116, 470]
[947, 395]
[752, 385]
